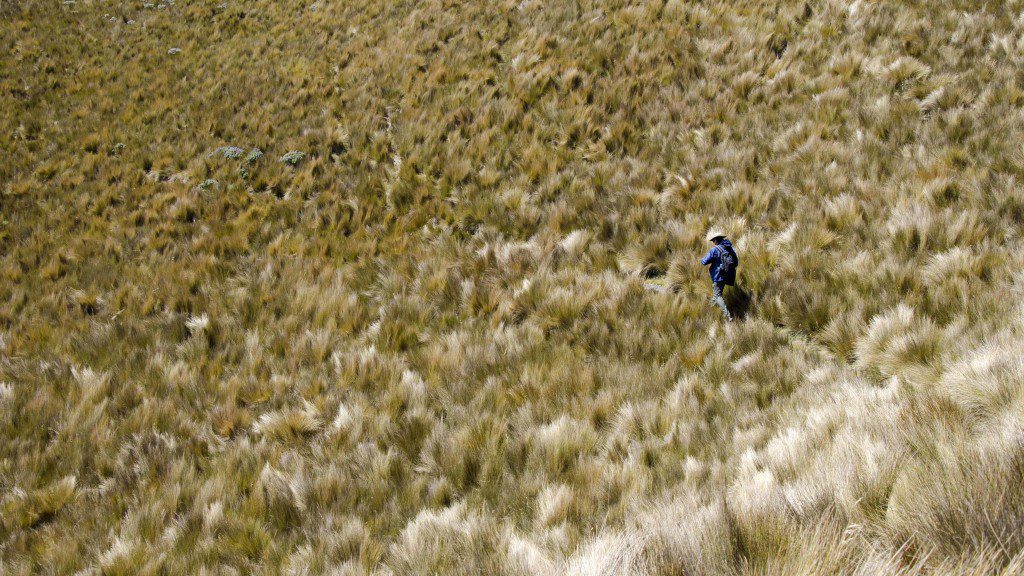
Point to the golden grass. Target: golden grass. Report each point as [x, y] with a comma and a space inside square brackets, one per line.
[412, 288]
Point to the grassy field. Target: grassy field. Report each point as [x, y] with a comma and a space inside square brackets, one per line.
[364, 288]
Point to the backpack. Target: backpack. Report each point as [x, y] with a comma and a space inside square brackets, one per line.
[726, 261]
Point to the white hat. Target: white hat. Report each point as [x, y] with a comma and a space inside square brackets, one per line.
[715, 233]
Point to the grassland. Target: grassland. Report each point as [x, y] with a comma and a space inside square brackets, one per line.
[361, 287]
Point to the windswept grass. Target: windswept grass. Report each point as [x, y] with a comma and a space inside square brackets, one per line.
[397, 288]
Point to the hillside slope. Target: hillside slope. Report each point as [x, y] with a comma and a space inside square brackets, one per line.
[363, 287]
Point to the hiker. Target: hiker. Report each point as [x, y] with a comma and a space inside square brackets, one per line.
[723, 261]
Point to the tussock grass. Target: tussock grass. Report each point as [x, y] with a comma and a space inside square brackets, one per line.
[403, 288]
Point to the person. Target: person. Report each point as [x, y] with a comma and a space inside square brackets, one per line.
[723, 261]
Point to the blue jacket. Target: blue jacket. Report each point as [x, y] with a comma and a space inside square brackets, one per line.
[713, 257]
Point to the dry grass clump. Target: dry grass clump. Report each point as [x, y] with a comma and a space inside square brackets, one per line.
[369, 288]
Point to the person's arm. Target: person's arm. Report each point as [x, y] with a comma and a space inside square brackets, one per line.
[708, 258]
